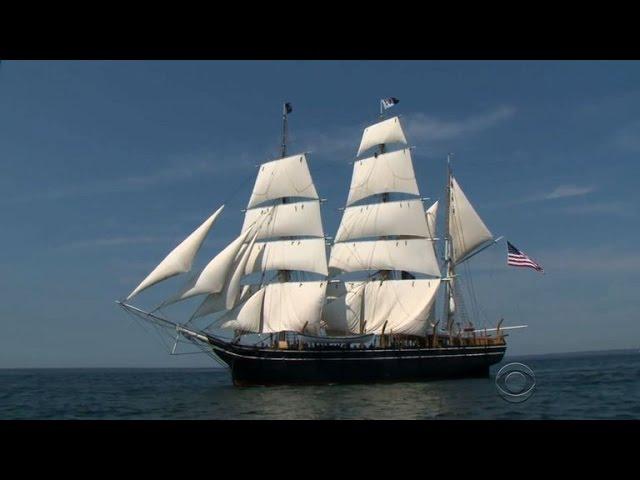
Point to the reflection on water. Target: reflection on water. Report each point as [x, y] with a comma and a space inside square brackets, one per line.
[393, 401]
[584, 386]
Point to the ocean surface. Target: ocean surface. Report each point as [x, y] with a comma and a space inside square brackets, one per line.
[602, 385]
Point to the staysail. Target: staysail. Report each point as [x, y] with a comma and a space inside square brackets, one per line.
[431, 215]
[180, 259]
[217, 302]
[245, 316]
[233, 287]
[466, 228]
[213, 276]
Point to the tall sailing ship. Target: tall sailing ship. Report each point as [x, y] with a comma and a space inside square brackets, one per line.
[361, 308]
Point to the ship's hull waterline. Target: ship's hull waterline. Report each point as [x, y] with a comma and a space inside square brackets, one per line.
[267, 366]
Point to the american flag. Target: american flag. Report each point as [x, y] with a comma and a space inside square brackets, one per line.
[516, 258]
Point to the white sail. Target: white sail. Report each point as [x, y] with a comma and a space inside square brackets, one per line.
[286, 220]
[387, 172]
[285, 177]
[385, 132]
[180, 259]
[233, 289]
[432, 215]
[404, 217]
[308, 255]
[211, 304]
[404, 305]
[216, 302]
[466, 228]
[213, 277]
[246, 315]
[293, 306]
[412, 255]
[341, 316]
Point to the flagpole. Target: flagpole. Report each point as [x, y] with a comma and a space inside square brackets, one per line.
[283, 151]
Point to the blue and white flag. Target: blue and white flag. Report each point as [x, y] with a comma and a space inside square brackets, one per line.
[389, 102]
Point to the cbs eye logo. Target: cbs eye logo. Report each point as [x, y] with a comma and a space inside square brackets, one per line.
[515, 382]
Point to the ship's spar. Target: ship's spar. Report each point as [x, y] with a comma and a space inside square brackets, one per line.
[377, 320]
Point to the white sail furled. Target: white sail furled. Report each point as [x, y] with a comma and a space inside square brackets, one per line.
[306, 254]
[180, 259]
[404, 305]
[341, 315]
[385, 132]
[466, 228]
[246, 315]
[213, 277]
[403, 217]
[384, 173]
[233, 287]
[293, 306]
[285, 177]
[411, 255]
[431, 215]
[286, 220]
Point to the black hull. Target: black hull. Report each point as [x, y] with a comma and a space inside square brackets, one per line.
[263, 366]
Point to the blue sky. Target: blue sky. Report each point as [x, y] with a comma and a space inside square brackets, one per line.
[107, 165]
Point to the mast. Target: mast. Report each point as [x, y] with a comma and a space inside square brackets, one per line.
[387, 236]
[384, 197]
[449, 272]
[286, 109]
[284, 275]
[285, 242]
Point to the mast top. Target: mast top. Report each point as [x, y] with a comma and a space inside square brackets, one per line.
[286, 110]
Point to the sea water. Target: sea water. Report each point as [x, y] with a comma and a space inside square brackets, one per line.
[570, 386]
